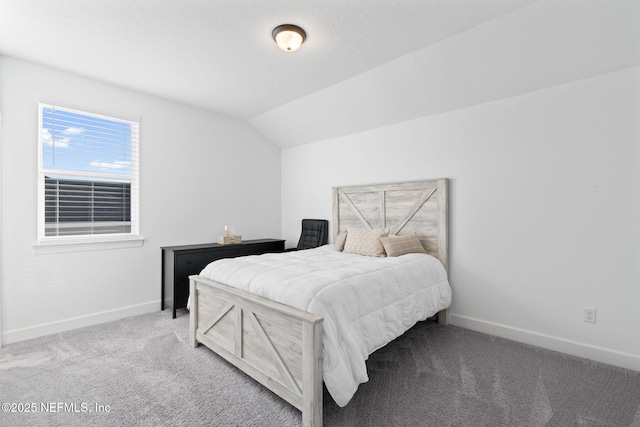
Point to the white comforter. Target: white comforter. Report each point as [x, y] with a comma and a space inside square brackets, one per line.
[366, 302]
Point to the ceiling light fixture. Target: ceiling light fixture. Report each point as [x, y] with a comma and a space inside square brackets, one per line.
[288, 37]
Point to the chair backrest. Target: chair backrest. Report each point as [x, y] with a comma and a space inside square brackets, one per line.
[315, 233]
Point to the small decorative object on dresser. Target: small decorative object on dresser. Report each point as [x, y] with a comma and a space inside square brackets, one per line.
[229, 237]
[229, 240]
[179, 262]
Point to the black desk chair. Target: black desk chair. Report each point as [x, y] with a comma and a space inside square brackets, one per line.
[315, 233]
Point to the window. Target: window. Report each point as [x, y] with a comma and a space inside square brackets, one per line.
[88, 175]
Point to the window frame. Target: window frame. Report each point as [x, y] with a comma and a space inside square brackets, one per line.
[53, 244]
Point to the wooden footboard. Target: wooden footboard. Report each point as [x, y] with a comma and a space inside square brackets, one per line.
[277, 345]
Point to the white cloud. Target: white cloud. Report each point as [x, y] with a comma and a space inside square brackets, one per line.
[47, 139]
[73, 131]
[114, 165]
[64, 143]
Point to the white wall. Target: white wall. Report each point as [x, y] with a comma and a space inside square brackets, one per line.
[544, 208]
[198, 172]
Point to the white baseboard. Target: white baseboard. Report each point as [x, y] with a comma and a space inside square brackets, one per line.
[30, 332]
[575, 348]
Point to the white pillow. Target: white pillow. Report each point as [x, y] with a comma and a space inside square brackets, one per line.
[367, 242]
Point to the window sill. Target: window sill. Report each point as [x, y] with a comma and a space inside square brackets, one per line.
[82, 244]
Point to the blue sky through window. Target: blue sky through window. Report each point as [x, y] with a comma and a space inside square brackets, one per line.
[85, 143]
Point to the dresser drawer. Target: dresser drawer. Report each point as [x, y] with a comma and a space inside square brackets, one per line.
[194, 262]
[262, 248]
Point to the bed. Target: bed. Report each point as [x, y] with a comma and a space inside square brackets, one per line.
[281, 346]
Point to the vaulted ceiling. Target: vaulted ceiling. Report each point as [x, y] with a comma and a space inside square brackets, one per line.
[365, 63]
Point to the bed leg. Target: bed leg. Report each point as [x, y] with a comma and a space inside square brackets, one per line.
[193, 313]
[443, 317]
[312, 374]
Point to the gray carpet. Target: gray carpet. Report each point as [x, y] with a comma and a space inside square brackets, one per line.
[141, 371]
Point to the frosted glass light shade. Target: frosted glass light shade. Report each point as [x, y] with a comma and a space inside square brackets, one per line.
[289, 37]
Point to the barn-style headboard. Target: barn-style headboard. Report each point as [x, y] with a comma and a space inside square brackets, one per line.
[402, 207]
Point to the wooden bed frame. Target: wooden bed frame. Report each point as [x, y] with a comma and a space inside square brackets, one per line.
[280, 346]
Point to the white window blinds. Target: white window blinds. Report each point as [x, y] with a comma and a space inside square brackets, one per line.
[88, 174]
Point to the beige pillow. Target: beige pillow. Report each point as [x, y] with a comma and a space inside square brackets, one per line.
[400, 245]
[365, 241]
[341, 238]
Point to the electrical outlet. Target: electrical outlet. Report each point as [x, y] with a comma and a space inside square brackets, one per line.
[590, 314]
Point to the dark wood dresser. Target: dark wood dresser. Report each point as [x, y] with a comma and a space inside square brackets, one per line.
[180, 262]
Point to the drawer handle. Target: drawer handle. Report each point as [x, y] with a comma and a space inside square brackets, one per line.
[188, 262]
